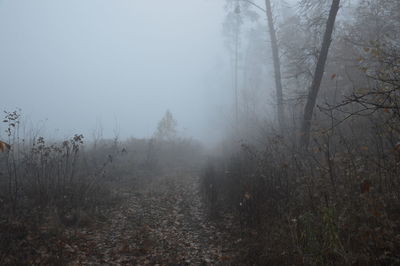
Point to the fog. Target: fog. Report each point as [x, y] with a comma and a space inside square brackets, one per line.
[80, 66]
[200, 132]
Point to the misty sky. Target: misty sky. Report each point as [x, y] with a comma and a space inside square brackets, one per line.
[78, 64]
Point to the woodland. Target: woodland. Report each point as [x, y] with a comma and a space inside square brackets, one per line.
[308, 172]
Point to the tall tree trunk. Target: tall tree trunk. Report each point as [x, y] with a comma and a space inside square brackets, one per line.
[318, 74]
[237, 11]
[277, 66]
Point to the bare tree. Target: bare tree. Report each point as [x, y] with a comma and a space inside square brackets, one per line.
[318, 74]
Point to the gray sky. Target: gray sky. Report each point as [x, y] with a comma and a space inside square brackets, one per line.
[80, 63]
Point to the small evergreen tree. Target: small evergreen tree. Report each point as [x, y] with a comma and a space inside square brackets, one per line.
[166, 129]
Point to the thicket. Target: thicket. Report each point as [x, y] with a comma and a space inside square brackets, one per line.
[337, 201]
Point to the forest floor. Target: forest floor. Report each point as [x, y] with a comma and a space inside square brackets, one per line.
[163, 224]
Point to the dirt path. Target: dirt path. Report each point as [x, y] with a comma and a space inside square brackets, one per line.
[162, 225]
